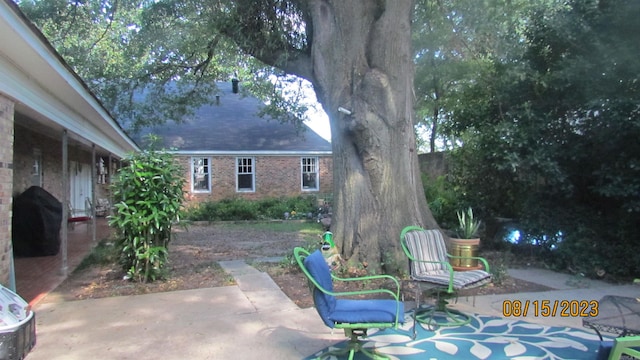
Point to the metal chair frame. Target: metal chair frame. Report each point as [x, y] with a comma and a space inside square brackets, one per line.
[439, 314]
[628, 346]
[356, 332]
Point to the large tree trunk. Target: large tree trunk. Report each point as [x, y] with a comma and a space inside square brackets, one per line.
[362, 62]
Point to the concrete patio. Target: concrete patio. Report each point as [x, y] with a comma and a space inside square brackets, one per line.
[251, 320]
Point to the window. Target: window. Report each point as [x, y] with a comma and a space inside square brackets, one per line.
[245, 174]
[201, 174]
[309, 173]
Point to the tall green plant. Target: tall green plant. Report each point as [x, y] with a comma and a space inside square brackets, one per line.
[467, 225]
[148, 196]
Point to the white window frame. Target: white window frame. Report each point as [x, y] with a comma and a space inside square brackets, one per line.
[244, 169]
[309, 168]
[207, 173]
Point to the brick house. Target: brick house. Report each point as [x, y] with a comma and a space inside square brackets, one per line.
[54, 133]
[228, 151]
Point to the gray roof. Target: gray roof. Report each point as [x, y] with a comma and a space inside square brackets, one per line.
[233, 126]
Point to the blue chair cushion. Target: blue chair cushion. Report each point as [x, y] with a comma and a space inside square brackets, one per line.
[604, 350]
[319, 270]
[350, 311]
[367, 311]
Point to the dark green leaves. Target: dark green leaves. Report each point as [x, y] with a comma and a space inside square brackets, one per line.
[149, 197]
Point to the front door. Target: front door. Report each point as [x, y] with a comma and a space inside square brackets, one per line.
[80, 187]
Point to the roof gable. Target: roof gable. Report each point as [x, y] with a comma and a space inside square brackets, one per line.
[232, 125]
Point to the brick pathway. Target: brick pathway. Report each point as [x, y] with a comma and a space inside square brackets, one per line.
[37, 276]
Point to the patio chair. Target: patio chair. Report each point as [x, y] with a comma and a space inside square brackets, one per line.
[629, 346]
[80, 216]
[103, 207]
[355, 316]
[429, 269]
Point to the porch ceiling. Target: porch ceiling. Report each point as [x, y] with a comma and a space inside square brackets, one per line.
[27, 118]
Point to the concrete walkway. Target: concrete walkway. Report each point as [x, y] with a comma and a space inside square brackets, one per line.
[251, 320]
[566, 287]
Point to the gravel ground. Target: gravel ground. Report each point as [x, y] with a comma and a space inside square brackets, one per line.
[195, 251]
[193, 256]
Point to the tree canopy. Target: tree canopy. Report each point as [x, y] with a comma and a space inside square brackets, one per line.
[536, 102]
[356, 55]
[172, 51]
[554, 129]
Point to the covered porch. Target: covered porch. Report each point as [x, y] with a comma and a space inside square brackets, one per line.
[37, 276]
[54, 135]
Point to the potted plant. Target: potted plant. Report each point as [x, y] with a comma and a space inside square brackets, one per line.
[467, 225]
[467, 242]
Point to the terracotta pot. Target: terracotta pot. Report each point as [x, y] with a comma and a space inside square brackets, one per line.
[466, 248]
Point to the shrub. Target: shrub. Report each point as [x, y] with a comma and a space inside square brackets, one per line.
[148, 196]
[242, 209]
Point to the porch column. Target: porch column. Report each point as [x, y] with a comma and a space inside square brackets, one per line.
[7, 276]
[93, 192]
[65, 202]
[111, 174]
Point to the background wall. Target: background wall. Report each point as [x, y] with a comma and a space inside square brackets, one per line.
[275, 176]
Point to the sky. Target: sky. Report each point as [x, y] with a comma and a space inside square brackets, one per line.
[319, 122]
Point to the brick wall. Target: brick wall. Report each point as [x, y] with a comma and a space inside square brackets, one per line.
[25, 143]
[275, 176]
[326, 175]
[6, 186]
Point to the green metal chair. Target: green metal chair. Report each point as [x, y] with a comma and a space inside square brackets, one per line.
[430, 269]
[629, 346]
[355, 316]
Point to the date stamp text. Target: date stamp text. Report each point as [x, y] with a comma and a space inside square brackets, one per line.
[550, 308]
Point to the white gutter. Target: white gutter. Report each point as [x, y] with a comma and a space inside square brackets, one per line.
[259, 153]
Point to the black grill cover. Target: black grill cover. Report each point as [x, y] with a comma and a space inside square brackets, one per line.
[37, 217]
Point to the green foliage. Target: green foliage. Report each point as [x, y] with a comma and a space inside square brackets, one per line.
[242, 209]
[125, 47]
[148, 194]
[550, 137]
[457, 41]
[229, 209]
[538, 99]
[499, 274]
[105, 253]
[443, 199]
[468, 226]
[591, 246]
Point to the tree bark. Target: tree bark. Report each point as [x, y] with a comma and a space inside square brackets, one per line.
[358, 57]
[362, 62]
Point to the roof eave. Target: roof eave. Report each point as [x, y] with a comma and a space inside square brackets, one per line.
[72, 105]
[251, 153]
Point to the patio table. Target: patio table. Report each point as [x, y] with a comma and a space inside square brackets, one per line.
[616, 315]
